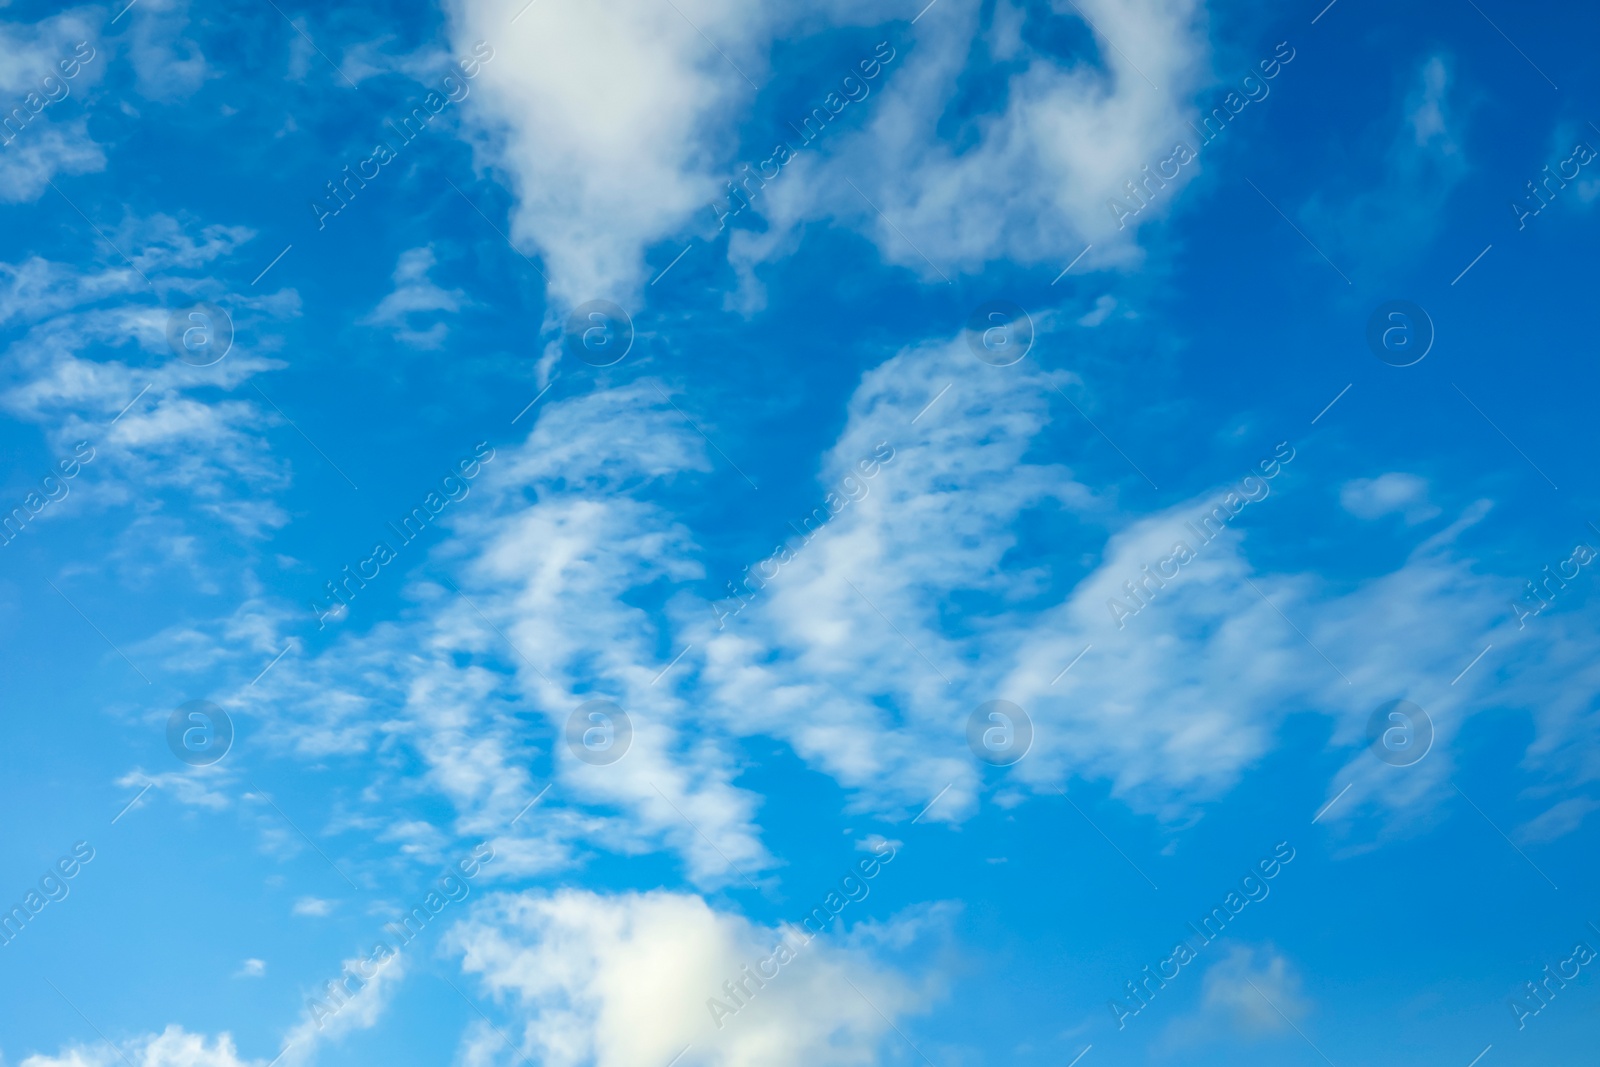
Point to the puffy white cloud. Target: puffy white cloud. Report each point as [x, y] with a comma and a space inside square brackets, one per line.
[1388, 494]
[617, 123]
[1252, 991]
[1026, 180]
[613, 980]
[618, 979]
[1256, 989]
[611, 120]
[173, 1047]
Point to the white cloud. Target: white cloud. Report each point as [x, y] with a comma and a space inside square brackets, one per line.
[313, 906]
[329, 1018]
[65, 147]
[173, 1047]
[603, 166]
[553, 573]
[251, 968]
[1427, 107]
[1171, 709]
[813, 661]
[1028, 181]
[1252, 987]
[1103, 307]
[1403, 191]
[45, 132]
[1252, 991]
[198, 786]
[1557, 821]
[415, 294]
[1388, 494]
[84, 354]
[301, 52]
[564, 530]
[626, 979]
[165, 244]
[167, 64]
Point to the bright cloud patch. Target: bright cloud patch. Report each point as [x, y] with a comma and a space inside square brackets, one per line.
[634, 978]
[1388, 494]
[46, 72]
[173, 1047]
[665, 117]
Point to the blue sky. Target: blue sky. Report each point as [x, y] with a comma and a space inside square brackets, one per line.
[1172, 507]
